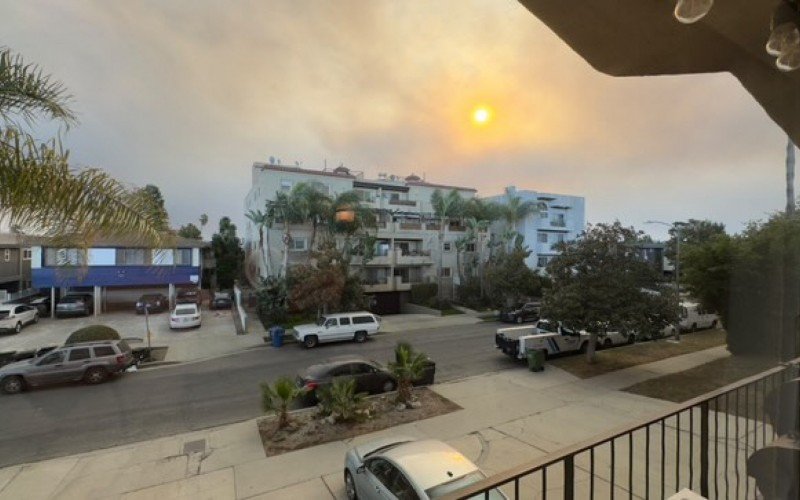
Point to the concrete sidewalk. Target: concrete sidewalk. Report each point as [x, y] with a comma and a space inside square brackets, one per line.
[508, 418]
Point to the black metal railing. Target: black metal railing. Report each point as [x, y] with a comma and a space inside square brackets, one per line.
[702, 445]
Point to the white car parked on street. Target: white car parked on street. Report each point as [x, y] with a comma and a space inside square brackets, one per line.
[355, 326]
[14, 316]
[185, 316]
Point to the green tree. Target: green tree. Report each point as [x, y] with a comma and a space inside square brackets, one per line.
[38, 189]
[446, 207]
[341, 401]
[693, 232]
[407, 367]
[509, 280]
[271, 301]
[514, 211]
[277, 398]
[311, 205]
[155, 202]
[598, 282]
[263, 222]
[228, 253]
[190, 231]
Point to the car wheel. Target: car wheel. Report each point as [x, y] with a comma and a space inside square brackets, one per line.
[13, 385]
[631, 339]
[607, 343]
[18, 327]
[350, 486]
[584, 347]
[519, 320]
[388, 386]
[694, 327]
[310, 341]
[95, 375]
[361, 337]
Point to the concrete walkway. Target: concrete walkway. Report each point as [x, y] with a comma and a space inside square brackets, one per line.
[508, 418]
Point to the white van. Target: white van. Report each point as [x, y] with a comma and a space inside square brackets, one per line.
[355, 326]
[694, 317]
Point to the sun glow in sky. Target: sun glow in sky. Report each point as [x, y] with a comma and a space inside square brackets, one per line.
[481, 115]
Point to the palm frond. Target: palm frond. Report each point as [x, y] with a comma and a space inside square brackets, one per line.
[26, 91]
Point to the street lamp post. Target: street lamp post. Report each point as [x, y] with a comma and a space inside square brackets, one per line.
[677, 227]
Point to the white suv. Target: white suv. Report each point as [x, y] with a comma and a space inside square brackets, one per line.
[14, 316]
[342, 326]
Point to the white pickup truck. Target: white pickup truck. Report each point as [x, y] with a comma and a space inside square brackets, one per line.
[545, 335]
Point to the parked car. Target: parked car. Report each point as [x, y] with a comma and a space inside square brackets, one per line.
[221, 300]
[343, 326]
[91, 362]
[403, 468]
[14, 316]
[526, 312]
[41, 303]
[694, 317]
[185, 316]
[189, 296]
[546, 335]
[75, 305]
[154, 302]
[369, 375]
[614, 337]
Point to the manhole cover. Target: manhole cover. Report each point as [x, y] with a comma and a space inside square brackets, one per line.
[198, 446]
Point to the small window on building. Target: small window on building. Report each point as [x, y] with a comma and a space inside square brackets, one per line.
[26, 254]
[64, 257]
[447, 246]
[541, 262]
[560, 238]
[130, 257]
[543, 210]
[299, 244]
[445, 273]
[542, 237]
[79, 354]
[470, 247]
[286, 185]
[7, 254]
[183, 257]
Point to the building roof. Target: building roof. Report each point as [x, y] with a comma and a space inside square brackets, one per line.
[343, 173]
[439, 186]
[638, 38]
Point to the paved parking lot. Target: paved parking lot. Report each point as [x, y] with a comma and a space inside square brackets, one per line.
[216, 336]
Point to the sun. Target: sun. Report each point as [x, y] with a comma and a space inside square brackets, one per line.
[481, 115]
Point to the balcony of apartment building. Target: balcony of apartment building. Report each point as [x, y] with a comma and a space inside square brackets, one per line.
[411, 253]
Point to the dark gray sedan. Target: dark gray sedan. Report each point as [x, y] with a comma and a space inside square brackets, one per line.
[369, 375]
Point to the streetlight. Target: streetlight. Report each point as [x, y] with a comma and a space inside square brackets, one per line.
[677, 227]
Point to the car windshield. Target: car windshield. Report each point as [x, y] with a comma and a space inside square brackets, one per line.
[185, 311]
[71, 300]
[461, 482]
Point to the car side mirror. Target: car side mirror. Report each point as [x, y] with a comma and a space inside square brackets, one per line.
[361, 469]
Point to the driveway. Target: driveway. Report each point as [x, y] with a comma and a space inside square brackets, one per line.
[216, 336]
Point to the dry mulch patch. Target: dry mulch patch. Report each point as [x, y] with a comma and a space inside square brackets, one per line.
[308, 428]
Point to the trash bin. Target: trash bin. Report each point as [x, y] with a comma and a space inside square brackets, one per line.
[535, 359]
[276, 333]
[427, 374]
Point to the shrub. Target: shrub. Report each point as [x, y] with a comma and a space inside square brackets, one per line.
[92, 333]
[407, 367]
[424, 293]
[278, 397]
[271, 301]
[341, 401]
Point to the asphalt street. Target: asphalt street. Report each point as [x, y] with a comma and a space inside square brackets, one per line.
[63, 420]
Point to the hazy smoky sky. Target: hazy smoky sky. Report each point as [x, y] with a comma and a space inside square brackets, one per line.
[187, 94]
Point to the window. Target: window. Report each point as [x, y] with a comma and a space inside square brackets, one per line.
[330, 322]
[183, 257]
[558, 220]
[445, 272]
[541, 262]
[7, 254]
[360, 320]
[447, 246]
[344, 321]
[64, 257]
[542, 237]
[470, 247]
[26, 254]
[560, 238]
[286, 185]
[543, 210]
[52, 358]
[79, 354]
[299, 244]
[103, 351]
[130, 257]
[392, 479]
[361, 368]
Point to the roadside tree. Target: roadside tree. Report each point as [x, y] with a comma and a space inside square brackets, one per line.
[190, 231]
[277, 398]
[228, 253]
[408, 366]
[599, 282]
[509, 280]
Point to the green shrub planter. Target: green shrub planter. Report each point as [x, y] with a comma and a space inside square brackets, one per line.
[92, 333]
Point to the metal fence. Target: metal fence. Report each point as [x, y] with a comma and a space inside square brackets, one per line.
[702, 445]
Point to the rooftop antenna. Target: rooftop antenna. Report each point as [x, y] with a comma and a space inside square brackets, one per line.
[272, 160]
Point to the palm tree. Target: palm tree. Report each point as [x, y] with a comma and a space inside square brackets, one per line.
[261, 220]
[514, 211]
[284, 209]
[38, 189]
[312, 205]
[203, 220]
[278, 397]
[407, 367]
[445, 207]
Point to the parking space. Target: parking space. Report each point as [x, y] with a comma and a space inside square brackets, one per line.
[216, 336]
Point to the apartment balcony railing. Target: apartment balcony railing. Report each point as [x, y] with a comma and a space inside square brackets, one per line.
[703, 445]
[411, 226]
[558, 223]
[405, 203]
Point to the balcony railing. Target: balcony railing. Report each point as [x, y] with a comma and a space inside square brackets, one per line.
[405, 203]
[558, 223]
[703, 445]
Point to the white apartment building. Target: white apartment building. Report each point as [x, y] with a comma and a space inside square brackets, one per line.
[408, 248]
[558, 218]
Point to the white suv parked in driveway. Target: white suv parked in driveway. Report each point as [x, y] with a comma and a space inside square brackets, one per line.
[342, 326]
[14, 316]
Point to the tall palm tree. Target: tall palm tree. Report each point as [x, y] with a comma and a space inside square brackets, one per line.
[39, 192]
[514, 211]
[262, 221]
[312, 205]
[284, 209]
[445, 207]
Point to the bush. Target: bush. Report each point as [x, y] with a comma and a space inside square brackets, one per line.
[341, 401]
[424, 293]
[271, 301]
[92, 333]
[277, 398]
